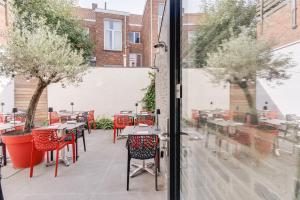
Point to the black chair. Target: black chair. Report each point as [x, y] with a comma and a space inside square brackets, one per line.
[79, 133]
[143, 147]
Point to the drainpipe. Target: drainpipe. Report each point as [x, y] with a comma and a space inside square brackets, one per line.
[125, 42]
[151, 33]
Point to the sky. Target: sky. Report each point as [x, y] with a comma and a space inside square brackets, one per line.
[132, 6]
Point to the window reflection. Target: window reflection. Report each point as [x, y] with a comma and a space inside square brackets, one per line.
[240, 143]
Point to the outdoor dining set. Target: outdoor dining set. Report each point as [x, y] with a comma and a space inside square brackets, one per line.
[261, 138]
[63, 130]
[143, 141]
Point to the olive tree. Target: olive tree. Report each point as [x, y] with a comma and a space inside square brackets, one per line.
[222, 21]
[243, 59]
[40, 53]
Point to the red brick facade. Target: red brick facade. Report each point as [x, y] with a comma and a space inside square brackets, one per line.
[278, 26]
[146, 25]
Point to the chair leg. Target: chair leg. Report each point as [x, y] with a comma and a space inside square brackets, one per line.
[89, 127]
[4, 153]
[76, 148]
[95, 125]
[56, 162]
[114, 140]
[74, 155]
[83, 138]
[128, 171]
[156, 169]
[31, 161]
[47, 154]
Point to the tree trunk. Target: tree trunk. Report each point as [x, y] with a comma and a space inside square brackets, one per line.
[251, 103]
[33, 105]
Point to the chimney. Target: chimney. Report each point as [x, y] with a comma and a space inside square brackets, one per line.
[94, 6]
[105, 5]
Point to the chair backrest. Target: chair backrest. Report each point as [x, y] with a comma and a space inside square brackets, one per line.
[91, 115]
[20, 118]
[142, 147]
[121, 121]
[45, 140]
[145, 119]
[2, 118]
[195, 114]
[54, 118]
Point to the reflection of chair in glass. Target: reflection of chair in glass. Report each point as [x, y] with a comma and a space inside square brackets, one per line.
[195, 116]
[143, 147]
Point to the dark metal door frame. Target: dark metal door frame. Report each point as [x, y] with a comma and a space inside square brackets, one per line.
[175, 99]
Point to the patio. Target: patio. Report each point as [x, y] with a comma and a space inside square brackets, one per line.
[100, 173]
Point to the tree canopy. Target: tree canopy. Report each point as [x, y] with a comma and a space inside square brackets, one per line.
[59, 15]
[242, 58]
[43, 54]
[223, 21]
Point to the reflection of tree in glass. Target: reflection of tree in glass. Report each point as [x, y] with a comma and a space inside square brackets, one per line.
[227, 47]
[242, 59]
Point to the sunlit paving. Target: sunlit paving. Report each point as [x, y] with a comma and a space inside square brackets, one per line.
[149, 99]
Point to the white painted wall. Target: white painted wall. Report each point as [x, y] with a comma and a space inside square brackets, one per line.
[285, 97]
[199, 92]
[7, 94]
[106, 90]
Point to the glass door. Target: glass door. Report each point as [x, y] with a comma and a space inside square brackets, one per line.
[239, 128]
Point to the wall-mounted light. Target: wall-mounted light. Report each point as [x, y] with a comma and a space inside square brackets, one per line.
[161, 45]
[155, 68]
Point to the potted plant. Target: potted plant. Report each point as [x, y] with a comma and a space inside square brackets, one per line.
[39, 53]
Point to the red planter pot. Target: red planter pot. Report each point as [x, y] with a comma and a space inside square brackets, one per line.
[19, 149]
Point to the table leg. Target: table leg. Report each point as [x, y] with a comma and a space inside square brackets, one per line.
[4, 154]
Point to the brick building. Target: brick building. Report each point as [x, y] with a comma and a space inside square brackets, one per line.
[121, 38]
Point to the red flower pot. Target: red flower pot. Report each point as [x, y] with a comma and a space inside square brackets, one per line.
[19, 149]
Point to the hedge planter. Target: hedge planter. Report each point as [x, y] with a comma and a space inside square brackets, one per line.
[19, 149]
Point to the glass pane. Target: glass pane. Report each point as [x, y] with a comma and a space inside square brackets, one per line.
[131, 37]
[118, 40]
[240, 122]
[137, 37]
[106, 24]
[117, 26]
[108, 40]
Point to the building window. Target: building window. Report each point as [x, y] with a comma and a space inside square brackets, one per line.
[112, 35]
[161, 8]
[134, 37]
[135, 60]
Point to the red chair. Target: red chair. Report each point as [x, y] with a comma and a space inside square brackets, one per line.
[120, 122]
[53, 118]
[145, 119]
[2, 118]
[91, 120]
[48, 140]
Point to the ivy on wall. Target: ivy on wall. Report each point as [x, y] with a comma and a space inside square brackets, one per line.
[148, 100]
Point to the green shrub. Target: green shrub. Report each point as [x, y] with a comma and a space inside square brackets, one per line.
[104, 123]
